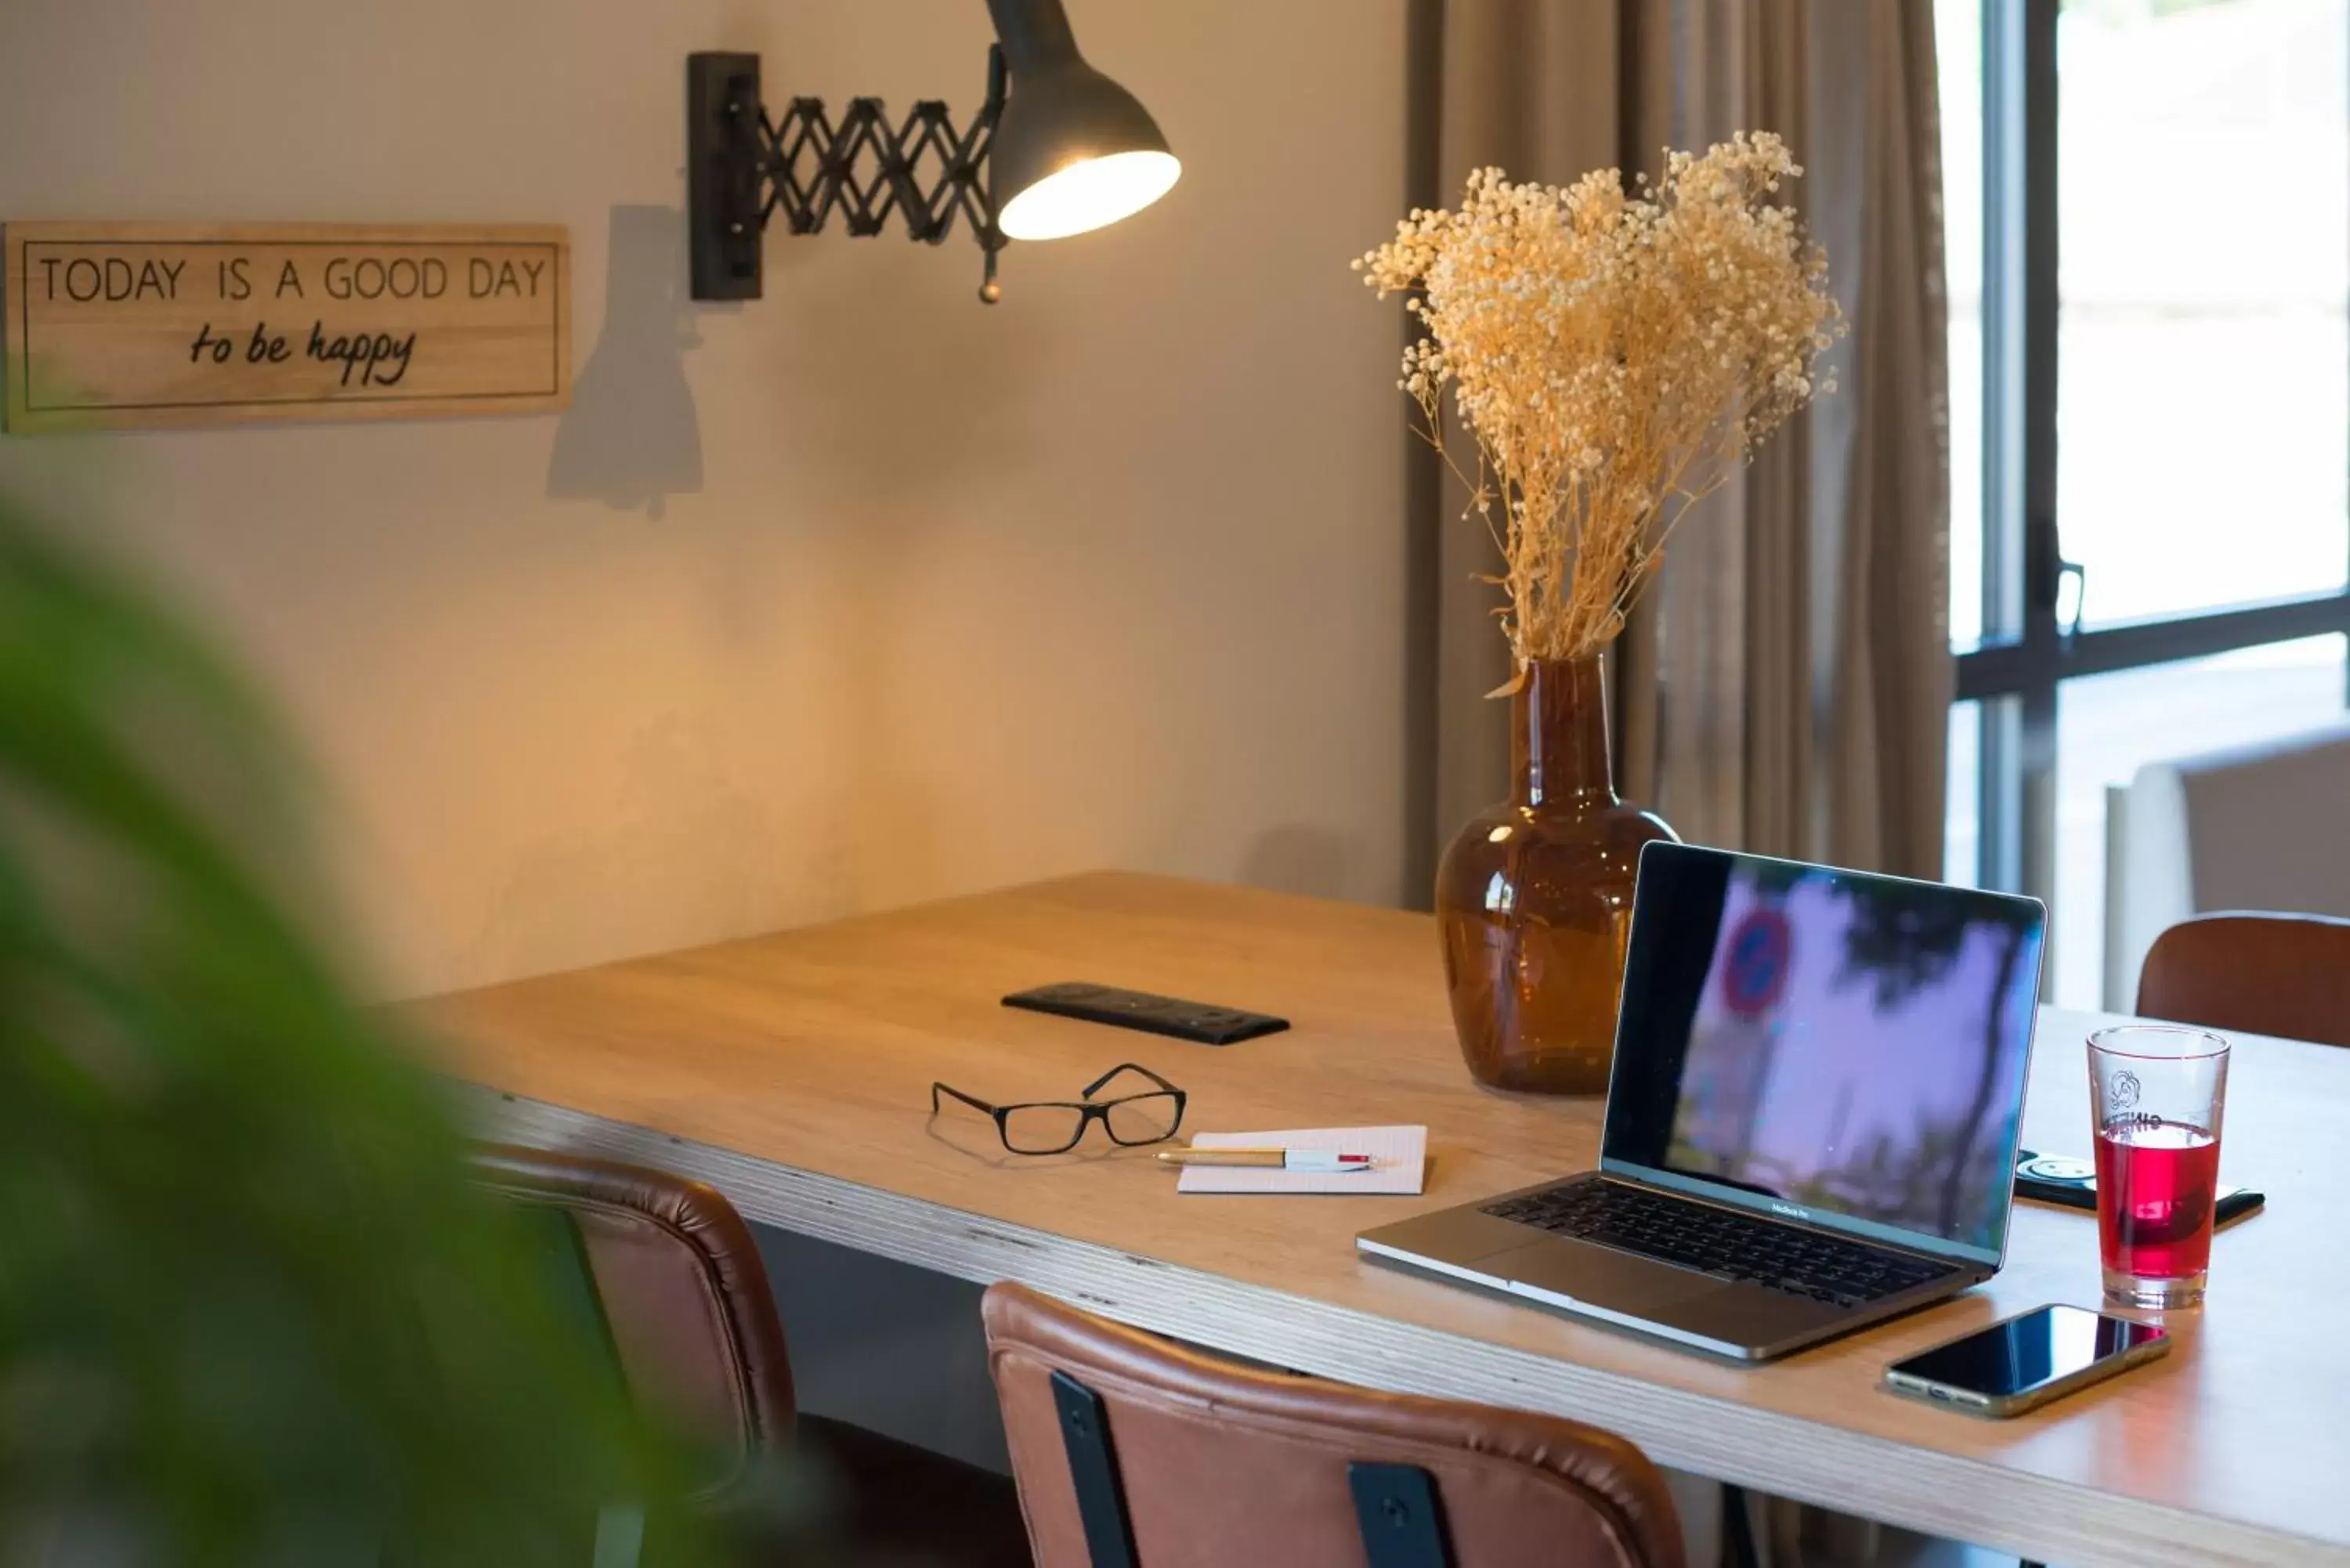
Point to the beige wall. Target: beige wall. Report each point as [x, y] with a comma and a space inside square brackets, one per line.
[857, 594]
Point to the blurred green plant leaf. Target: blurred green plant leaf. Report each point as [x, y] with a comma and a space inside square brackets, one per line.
[251, 1311]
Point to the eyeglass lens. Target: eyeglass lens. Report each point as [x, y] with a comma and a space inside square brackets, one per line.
[1146, 1118]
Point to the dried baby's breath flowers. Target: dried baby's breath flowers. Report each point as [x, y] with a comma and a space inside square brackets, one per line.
[1617, 357]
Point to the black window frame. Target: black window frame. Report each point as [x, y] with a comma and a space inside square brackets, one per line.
[2027, 651]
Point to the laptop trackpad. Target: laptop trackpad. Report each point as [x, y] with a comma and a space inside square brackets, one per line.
[1582, 1272]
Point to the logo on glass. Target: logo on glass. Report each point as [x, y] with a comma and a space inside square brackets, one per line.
[2124, 1090]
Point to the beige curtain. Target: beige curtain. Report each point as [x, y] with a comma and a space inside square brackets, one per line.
[1532, 85]
[1785, 686]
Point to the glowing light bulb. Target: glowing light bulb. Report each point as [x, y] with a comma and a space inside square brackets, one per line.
[1088, 194]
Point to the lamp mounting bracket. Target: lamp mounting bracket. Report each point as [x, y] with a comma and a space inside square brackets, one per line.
[743, 169]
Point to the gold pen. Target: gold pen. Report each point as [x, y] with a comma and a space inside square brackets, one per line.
[1328, 1162]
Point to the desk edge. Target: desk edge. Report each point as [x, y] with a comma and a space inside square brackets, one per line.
[1983, 1504]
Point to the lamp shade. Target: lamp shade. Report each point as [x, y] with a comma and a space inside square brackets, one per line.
[1073, 151]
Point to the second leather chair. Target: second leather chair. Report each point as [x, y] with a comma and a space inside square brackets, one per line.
[2253, 973]
[1119, 1439]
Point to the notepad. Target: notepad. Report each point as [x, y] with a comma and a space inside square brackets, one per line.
[1398, 1161]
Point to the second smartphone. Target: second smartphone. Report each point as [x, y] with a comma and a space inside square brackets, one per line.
[2025, 1361]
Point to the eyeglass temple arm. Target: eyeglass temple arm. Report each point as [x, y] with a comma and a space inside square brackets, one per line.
[1130, 1067]
[977, 1105]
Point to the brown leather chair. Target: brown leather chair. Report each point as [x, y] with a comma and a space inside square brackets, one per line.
[694, 1328]
[2260, 973]
[1117, 1438]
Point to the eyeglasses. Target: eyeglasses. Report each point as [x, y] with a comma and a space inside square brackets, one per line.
[1056, 1126]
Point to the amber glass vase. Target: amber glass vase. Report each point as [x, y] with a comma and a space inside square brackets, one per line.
[1534, 896]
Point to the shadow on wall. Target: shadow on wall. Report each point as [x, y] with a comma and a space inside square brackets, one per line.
[630, 438]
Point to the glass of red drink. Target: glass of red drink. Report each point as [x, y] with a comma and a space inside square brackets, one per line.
[2157, 1092]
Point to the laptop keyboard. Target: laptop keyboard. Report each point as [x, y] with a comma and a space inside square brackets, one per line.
[1722, 1243]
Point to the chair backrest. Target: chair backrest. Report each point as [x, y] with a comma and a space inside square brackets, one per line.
[2250, 827]
[1193, 1461]
[2261, 973]
[681, 1287]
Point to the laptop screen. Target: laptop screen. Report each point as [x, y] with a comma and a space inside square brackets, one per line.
[1846, 1047]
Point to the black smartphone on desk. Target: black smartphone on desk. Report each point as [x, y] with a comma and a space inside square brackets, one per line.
[1205, 1022]
[2024, 1362]
[2072, 1182]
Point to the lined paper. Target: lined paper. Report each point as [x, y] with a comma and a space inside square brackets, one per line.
[1398, 1161]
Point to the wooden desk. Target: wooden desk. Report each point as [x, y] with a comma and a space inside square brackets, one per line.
[793, 1071]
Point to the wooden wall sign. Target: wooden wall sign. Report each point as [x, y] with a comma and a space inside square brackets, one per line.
[120, 325]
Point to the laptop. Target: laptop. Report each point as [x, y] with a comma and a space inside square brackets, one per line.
[1812, 1119]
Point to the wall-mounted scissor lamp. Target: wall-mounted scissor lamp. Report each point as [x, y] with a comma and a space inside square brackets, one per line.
[1056, 149]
